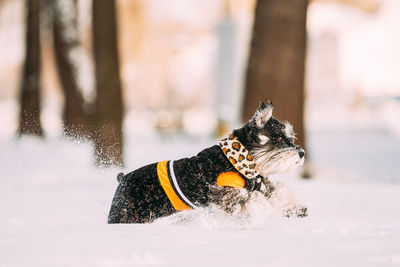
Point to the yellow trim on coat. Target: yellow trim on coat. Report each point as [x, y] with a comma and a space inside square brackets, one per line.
[231, 179]
[162, 173]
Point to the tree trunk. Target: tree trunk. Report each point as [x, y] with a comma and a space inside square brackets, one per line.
[66, 46]
[277, 58]
[29, 123]
[109, 108]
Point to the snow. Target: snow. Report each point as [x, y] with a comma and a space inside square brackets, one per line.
[54, 203]
[54, 206]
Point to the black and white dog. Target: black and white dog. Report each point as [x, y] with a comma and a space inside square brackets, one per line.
[225, 174]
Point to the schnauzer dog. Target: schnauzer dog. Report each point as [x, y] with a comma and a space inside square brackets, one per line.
[223, 174]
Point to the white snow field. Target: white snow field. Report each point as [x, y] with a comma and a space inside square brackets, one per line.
[54, 206]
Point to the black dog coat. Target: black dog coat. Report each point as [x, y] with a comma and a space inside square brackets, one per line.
[163, 188]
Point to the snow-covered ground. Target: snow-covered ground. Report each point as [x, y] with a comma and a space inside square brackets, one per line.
[54, 203]
[54, 207]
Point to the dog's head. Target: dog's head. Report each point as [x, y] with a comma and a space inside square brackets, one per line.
[270, 142]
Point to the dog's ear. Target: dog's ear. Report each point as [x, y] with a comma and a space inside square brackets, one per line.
[263, 114]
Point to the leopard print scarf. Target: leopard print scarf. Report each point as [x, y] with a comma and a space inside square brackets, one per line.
[239, 156]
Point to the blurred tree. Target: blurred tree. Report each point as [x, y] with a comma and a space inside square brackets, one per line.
[1, 4]
[66, 45]
[108, 137]
[29, 123]
[276, 64]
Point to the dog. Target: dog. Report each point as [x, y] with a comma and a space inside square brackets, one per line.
[225, 174]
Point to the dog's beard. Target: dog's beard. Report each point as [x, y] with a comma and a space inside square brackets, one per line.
[270, 161]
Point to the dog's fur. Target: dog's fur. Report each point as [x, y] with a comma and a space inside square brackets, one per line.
[140, 197]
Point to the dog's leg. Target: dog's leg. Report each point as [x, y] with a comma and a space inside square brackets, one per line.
[283, 200]
[266, 188]
[231, 200]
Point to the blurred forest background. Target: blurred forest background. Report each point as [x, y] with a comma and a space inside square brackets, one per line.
[110, 70]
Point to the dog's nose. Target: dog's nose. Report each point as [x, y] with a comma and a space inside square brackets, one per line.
[301, 153]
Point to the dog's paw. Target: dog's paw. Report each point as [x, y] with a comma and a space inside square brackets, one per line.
[286, 204]
[296, 212]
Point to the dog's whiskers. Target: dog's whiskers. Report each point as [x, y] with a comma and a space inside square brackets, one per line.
[270, 161]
